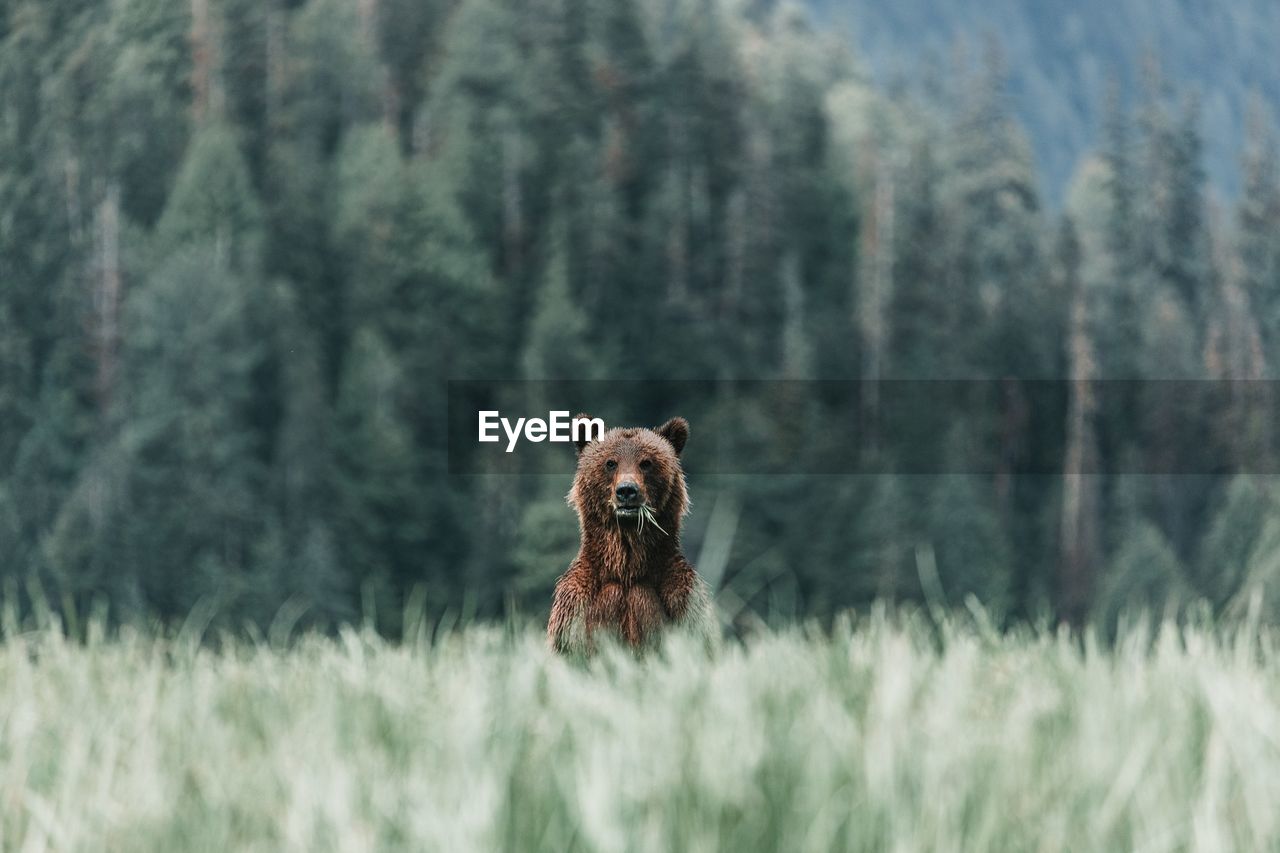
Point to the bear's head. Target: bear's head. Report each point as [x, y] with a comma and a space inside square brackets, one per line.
[631, 479]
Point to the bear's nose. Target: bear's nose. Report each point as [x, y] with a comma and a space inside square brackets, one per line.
[628, 493]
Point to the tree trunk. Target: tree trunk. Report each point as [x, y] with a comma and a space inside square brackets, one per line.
[106, 293]
[513, 231]
[206, 87]
[876, 278]
[1078, 545]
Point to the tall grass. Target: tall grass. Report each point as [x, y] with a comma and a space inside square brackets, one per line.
[885, 735]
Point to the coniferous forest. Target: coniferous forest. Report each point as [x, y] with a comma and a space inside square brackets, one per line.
[244, 246]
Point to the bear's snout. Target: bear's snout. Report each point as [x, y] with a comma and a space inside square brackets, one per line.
[628, 495]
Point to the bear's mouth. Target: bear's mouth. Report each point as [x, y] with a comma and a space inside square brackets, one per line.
[643, 515]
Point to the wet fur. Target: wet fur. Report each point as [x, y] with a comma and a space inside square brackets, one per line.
[629, 580]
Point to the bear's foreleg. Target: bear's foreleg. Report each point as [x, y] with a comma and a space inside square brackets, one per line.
[687, 601]
[567, 628]
[675, 590]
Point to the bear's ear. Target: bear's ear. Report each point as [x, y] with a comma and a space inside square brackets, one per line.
[675, 431]
[585, 429]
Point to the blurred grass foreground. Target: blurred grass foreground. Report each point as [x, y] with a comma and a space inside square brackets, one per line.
[884, 734]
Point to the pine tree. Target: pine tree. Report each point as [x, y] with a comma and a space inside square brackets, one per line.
[557, 330]
[1257, 229]
[1228, 552]
[973, 553]
[1144, 575]
[544, 544]
[919, 308]
[213, 202]
[368, 228]
[1006, 316]
[16, 381]
[881, 562]
[378, 520]
[333, 80]
[186, 436]
[303, 491]
[1120, 248]
[1173, 243]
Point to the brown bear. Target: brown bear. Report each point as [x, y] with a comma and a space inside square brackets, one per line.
[629, 581]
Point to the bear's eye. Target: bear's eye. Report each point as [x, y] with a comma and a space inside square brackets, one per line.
[645, 464]
[611, 464]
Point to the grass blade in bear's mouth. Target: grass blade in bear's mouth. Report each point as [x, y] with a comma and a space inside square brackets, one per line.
[647, 514]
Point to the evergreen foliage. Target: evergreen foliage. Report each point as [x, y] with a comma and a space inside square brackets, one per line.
[243, 246]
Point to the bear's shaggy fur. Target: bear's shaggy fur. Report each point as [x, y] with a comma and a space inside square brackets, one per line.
[629, 581]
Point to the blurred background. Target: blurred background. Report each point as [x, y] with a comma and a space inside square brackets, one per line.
[245, 244]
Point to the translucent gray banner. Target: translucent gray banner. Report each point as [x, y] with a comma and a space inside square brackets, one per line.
[1002, 426]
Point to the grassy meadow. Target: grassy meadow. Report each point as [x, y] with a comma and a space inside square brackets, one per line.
[883, 734]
